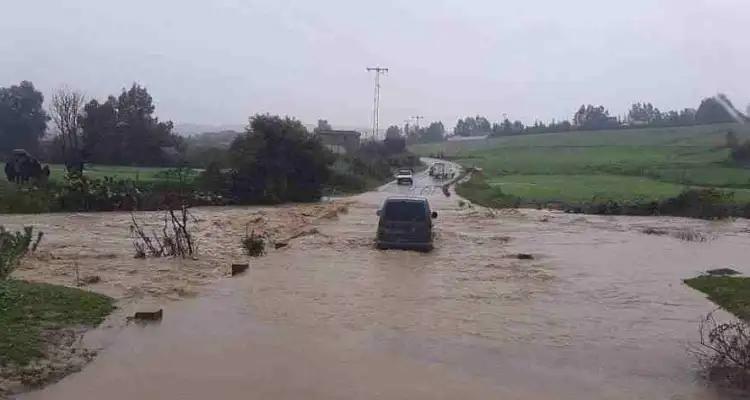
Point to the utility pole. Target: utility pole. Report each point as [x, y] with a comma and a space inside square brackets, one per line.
[376, 102]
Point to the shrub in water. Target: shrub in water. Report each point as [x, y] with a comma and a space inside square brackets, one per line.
[254, 245]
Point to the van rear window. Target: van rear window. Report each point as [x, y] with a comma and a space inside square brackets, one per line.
[405, 211]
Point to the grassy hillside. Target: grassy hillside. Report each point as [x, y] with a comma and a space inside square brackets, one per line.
[638, 164]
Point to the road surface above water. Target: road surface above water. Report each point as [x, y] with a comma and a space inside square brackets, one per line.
[599, 313]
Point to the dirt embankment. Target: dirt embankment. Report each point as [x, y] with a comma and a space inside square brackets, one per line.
[95, 251]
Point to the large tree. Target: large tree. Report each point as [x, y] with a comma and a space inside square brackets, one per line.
[101, 138]
[277, 160]
[125, 131]
[591, 117]
[435, 132]
[394, 141]
[23, 120]
[65, 109]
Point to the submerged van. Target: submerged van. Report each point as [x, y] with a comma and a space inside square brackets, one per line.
[405, 223]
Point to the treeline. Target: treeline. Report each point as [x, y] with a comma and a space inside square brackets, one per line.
[396, 138]
[120, 130]
[274, 160]
[712, 110]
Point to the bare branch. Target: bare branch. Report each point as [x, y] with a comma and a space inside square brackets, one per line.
[65, 109]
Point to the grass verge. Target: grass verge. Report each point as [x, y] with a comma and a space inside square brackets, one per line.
[731, 293]
[28, 309]
[480, 192]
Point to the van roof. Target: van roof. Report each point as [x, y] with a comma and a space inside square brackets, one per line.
[404, 198]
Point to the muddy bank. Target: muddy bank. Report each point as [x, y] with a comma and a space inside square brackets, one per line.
[64, 354]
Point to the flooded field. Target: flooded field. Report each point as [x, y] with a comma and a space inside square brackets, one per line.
[598, 312]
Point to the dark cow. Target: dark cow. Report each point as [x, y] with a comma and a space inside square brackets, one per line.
[22, 167]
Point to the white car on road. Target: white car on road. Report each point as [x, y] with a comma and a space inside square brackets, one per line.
[404, 176]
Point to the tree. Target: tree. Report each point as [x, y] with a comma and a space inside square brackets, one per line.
[435, 132]
[592, 118]
[123, 130]
[472, 126]
[323, 125]
[277, 160]
[644, 113]
[23, 120]
[66, 110]
[101, 139]
[394, 141]
[393, 132]
[711, 111]
[143, 135]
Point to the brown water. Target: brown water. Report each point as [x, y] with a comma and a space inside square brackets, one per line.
[600, 313]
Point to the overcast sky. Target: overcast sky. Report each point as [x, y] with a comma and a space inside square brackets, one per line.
[219, 61]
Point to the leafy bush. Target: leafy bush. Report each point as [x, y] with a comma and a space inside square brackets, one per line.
[277, 160]
[81, 193]
[254, 244]
[23, 200]
[13, 246]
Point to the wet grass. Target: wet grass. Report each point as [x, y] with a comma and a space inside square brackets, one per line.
[27, 309]
[581, 188]
[480, 192]
[730, 293]
[142, 174]
[619, 165]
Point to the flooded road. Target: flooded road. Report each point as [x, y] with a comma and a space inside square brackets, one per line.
[599, 312]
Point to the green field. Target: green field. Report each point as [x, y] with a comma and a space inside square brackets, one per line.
[637, 164]
[142, 174]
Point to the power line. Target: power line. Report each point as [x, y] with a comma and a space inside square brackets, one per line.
[376, 102]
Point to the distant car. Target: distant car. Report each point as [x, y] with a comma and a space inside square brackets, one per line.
[439, 170]
[404, 176]
[405, 223]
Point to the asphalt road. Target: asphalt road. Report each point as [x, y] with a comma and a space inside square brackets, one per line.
[424, 184]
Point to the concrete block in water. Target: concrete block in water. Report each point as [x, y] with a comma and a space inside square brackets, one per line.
[239, 268]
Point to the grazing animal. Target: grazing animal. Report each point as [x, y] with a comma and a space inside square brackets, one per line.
[22, 167]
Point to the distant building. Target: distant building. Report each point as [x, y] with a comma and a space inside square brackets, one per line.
[340, 142]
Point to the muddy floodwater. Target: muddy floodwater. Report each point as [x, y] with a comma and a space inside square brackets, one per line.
[600, 312]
